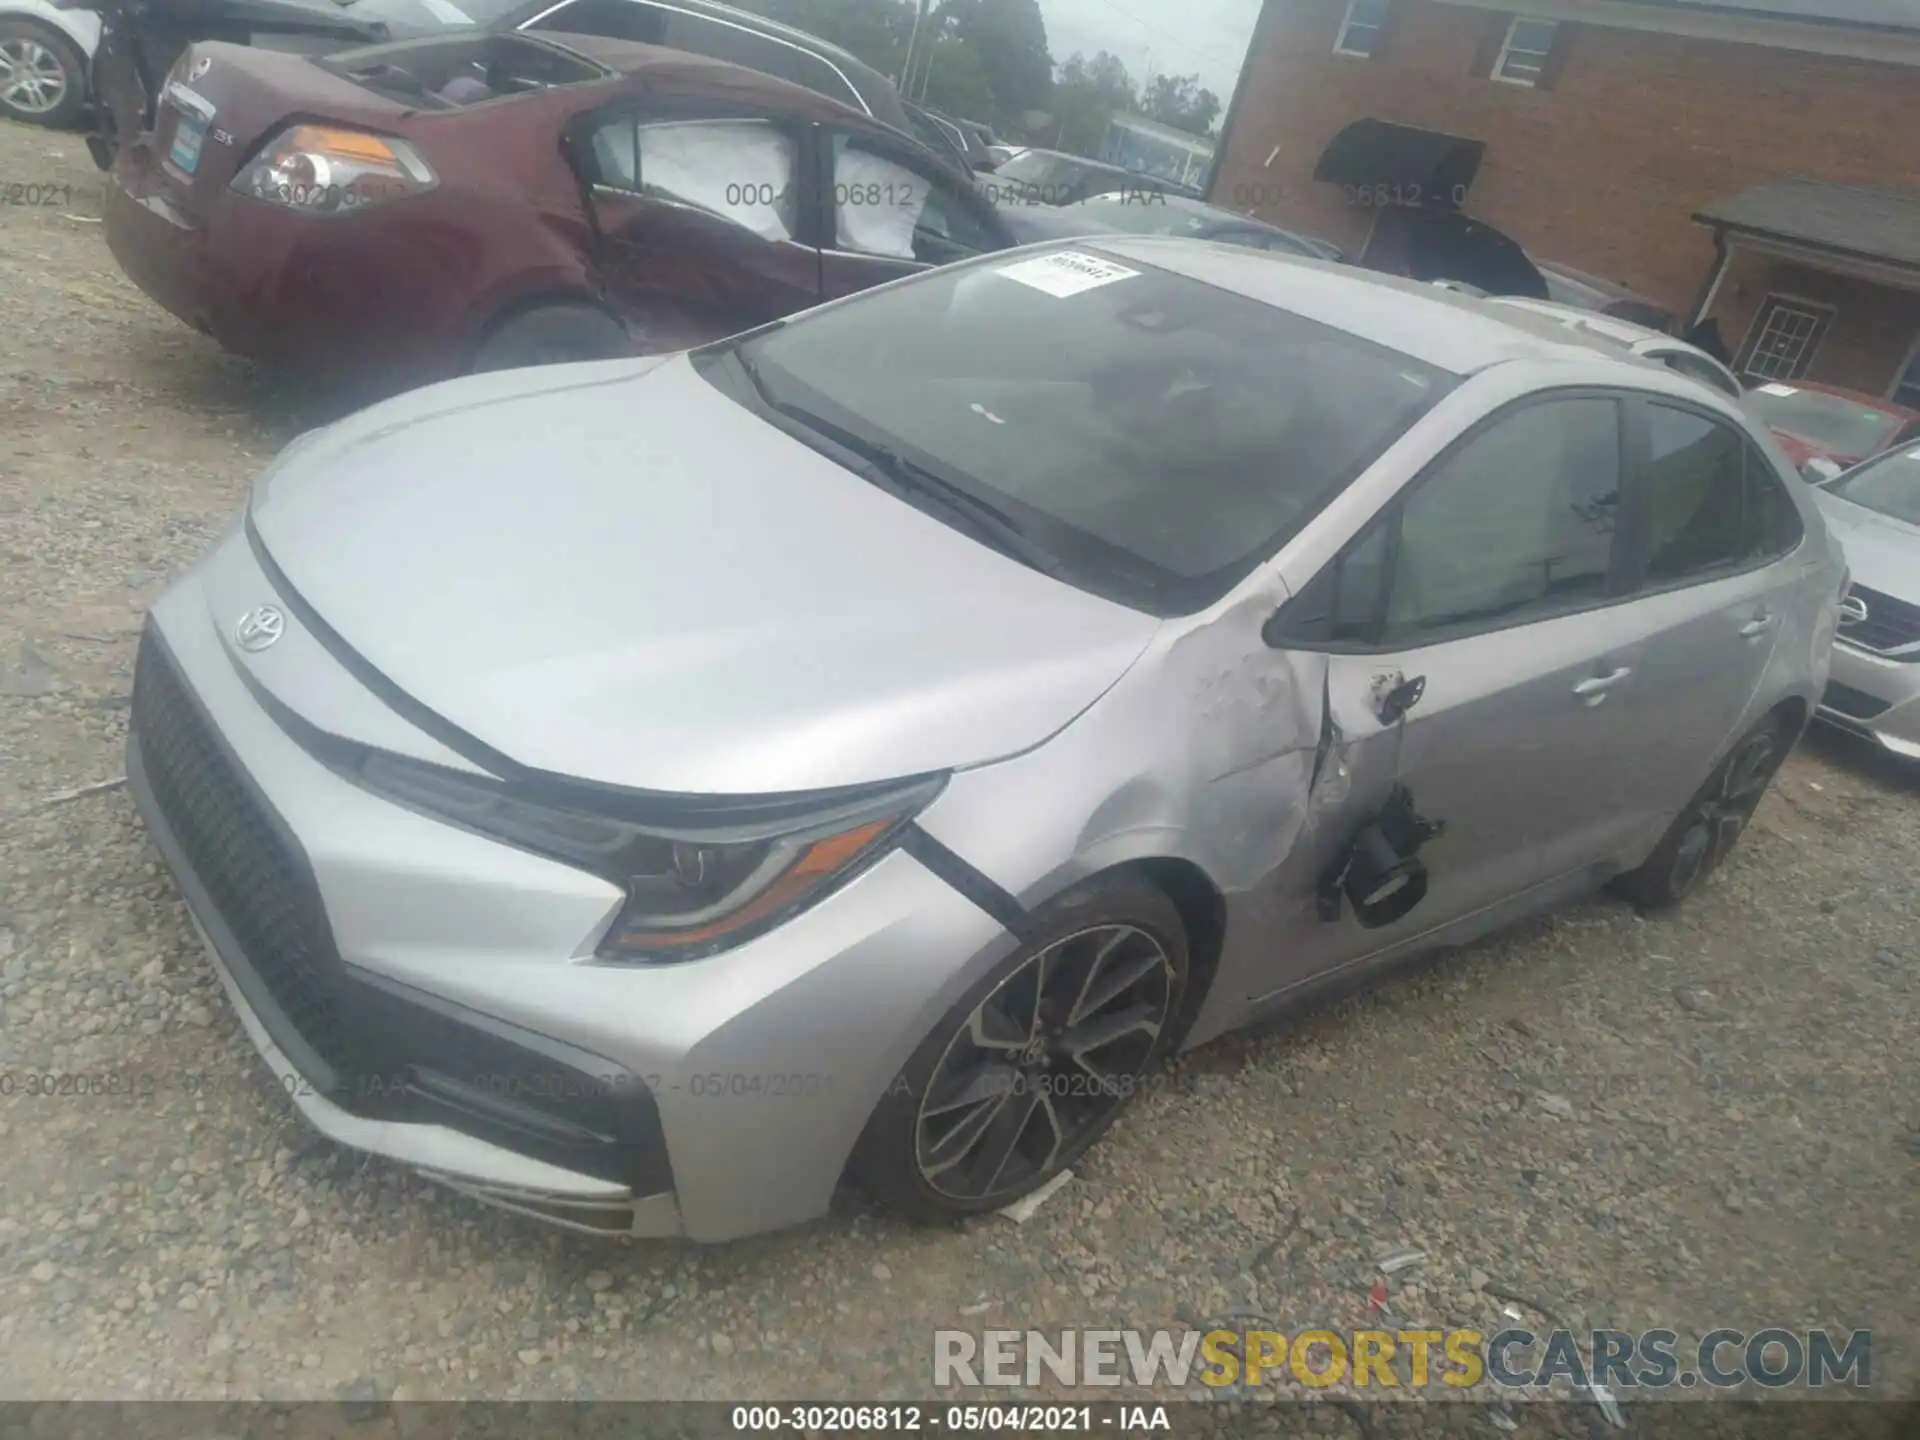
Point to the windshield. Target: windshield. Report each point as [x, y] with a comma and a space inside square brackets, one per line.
[1890, 485]
[1846, 427]
[1155, 437]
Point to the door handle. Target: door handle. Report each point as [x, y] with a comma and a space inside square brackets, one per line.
[1593, 691]
[1757, 627]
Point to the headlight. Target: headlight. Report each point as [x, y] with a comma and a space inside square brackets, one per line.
[692, 890]
[327, 171]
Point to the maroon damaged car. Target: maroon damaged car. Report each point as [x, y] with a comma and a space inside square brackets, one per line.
[487, 200]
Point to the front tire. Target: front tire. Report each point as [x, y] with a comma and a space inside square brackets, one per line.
[553, 335]
[1033, 1065]
[43, 76]
[1705, 832]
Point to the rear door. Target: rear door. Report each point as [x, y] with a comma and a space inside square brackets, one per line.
[1713, 537]
[888, 210]
[700, 214]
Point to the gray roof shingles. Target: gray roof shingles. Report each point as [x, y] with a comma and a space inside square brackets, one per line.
[1857, 220]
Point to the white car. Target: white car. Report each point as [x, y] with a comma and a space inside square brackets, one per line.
[45, 50]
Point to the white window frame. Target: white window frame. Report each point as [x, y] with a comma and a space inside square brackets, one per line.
[1507, 52]
[1907, 376]
[1822, 315]
[1347, 23]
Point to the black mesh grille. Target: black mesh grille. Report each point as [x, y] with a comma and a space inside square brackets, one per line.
[1890, 623]
[1854, 704]
[388, 1055]
[259, 884]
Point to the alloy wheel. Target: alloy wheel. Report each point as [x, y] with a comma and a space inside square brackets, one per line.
[1720, 816]
[32, 79]
[1042, 1062]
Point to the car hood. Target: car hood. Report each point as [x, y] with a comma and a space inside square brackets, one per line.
[616, 572]
[1882, 553]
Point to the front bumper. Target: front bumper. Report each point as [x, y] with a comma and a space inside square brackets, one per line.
[1875, 696]
[431, 996]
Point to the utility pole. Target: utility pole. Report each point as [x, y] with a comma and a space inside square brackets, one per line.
[913, 44]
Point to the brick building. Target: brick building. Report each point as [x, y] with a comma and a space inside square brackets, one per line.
[1756, 162]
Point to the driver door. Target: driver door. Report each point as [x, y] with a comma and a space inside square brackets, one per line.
[698, 218]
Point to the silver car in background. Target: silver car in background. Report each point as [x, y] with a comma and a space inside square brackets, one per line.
[1874, 512]
[645, 794]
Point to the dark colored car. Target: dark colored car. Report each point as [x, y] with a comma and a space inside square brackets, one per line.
[141, 40]
[1827, 423]
[1053, 177]
[959, 140]
[1152, 213]
[489, 200]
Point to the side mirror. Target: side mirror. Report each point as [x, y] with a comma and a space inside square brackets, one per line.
[1819, 470]
[985, 164]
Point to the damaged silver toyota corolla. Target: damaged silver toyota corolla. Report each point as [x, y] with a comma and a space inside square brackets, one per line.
[647, 793]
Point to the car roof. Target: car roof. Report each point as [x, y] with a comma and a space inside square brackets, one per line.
[1442, 328]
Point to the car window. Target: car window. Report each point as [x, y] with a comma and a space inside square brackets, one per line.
[1772, 523]
[740, 170]
[1696, 480]
[1517, 522]
[884, 205]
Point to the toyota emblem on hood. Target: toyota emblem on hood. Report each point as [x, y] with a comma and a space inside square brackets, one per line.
[259, 628]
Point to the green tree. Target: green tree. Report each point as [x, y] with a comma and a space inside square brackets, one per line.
[1010, 39]
[958, 81]
[1086, 95]
[1180, 101]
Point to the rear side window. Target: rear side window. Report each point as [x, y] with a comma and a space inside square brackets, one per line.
[1695, 504]
[1772, 524]
[740, 170]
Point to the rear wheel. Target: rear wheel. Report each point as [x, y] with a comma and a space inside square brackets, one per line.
[553, 335]
[1704, 833]
[43, 76]
[1032, 1066]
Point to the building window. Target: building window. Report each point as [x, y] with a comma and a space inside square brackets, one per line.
[1360, 30]
[1523, 54]
[1783, 337]
[1906, 385]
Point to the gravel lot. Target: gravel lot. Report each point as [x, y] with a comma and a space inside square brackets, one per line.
[1709, 1119]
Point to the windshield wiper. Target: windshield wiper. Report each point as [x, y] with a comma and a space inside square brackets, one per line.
[892, 471]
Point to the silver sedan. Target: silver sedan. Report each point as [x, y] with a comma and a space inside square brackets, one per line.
[1874, 511]
[647, 794]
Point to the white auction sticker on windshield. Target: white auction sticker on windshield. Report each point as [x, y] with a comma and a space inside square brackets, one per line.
[1778, 390]
[1066, 272]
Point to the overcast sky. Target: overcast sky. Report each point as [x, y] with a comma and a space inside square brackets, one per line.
[1205, 36]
